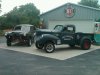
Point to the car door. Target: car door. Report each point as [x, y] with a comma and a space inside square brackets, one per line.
[32, 31]
[68, 35]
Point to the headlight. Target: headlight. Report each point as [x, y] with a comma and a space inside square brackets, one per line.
[7, 33]
[42, 36]
[34, 33]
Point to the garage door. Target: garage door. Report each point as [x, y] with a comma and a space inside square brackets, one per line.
[81, 26]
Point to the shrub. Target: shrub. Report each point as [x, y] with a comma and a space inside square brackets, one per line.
[1, 32]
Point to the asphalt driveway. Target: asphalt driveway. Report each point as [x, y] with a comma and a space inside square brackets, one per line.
[15, 62]
[18, 63]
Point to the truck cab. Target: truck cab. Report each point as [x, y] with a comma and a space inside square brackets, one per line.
[67, 34]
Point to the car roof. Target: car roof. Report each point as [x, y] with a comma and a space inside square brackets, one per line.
[68, 25]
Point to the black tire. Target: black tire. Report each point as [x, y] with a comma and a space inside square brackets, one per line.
[8, 42]
[29, 42]
[86, 44]
[71, 45]
[39, 46]
[49, 47]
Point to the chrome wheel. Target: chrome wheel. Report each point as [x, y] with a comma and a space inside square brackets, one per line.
[49, 47]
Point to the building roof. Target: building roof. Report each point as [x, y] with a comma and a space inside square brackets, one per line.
[97, 9]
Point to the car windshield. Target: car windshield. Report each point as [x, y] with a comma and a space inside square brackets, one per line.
[22, 28]
[58, 28]
[25, 28]
[17, 28]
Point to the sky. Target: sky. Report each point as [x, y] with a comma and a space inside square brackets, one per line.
[42, 5]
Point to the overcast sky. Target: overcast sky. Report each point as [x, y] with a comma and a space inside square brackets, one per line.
[42, 5]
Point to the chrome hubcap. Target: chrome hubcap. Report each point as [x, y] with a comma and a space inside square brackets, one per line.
[49, 47]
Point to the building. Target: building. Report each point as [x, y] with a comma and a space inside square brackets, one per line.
[70, 13]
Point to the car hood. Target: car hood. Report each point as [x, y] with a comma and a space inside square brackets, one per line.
[46, 31]
[16, 32]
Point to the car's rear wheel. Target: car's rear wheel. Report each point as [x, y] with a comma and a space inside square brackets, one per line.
[39, 46]
[86, 44]
[8, 42]
[49, 47]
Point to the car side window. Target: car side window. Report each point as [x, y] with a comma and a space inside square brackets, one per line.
[17, 28]
[70, 29]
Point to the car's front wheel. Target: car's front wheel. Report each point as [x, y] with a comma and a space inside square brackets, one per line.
[39, 46]
[49, 47]
[8, 42]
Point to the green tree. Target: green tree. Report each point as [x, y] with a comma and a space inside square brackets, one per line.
[24, 14]
[91, 3]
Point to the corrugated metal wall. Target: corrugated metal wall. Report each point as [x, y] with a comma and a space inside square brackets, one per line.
[81, 13]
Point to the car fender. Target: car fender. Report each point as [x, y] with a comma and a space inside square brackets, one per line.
[48, 38]
[83, 38]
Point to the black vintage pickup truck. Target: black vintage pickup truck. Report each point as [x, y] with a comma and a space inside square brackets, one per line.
[62, 34]
[21, 33]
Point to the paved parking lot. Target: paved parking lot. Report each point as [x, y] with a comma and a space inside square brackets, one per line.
[19, 63]
[62, 52]
[23, 60]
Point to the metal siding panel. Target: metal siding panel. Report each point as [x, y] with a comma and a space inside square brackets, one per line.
[81, 26]
[81, 13]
